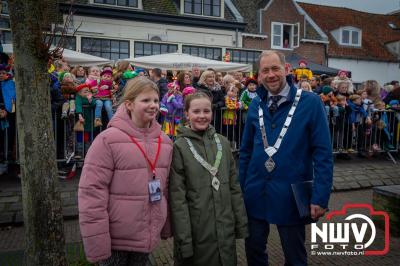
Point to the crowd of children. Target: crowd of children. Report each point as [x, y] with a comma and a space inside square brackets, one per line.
[356, 117]
[84, 99]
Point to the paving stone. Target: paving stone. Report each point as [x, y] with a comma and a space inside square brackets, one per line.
[376, 182]
[338, 179]
[15, 206]
[69, 201]
[353, 185]
[65, 195]
[361, 177]
[348, 178]
[364, 183]
[388, 182]
[396, 181]
[9, 199]
[341, 186]
[8, 193]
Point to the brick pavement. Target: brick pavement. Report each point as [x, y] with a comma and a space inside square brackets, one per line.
[348, 175]
[349, 178]
[11, 240]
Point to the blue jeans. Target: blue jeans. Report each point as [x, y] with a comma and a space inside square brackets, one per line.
[107, 105]
[292, 240]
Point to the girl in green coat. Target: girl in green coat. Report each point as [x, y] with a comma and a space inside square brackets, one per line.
[206, 202]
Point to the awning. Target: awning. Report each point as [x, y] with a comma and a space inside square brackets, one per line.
[179, 61]
[317, 69]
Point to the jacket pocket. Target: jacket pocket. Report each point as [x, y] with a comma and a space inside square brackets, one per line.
[126, 215]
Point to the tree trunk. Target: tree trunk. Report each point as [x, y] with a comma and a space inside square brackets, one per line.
[43, 220]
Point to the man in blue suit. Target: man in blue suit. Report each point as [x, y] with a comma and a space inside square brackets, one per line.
[286, 141]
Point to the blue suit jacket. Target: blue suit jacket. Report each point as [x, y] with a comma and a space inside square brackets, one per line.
[305, 154]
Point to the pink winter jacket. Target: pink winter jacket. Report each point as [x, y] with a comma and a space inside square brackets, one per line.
[113, 196]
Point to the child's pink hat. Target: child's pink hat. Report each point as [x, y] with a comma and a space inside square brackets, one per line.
[188, 90]
[342, 72]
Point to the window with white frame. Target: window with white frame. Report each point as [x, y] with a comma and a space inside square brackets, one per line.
[106, 48]
[243, 56]
[119, 3]
[210, 8]
[152, 48]
[285, 36]
[67, 42]
[205, 52]
[350, 36]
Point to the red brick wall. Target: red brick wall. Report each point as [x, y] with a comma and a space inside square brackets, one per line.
[312, 51]
[255, 43]
[282, 11]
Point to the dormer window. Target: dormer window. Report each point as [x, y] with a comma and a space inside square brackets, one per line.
[350, 36]
[211, 8]
[119, 3]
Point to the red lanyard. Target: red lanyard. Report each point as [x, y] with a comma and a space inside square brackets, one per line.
[152, 165]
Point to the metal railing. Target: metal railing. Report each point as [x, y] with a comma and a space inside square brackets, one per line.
[382, 135]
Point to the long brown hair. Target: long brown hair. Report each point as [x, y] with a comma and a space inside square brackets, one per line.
[181, 79]
[122, 66]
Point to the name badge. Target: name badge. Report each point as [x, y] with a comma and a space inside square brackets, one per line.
[155, 190]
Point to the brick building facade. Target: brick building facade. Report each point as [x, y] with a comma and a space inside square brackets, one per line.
[284, 26]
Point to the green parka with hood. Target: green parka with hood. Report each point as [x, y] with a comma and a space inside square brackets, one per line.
[206, 222]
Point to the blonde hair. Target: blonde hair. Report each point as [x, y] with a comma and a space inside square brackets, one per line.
[380, 104]
[354, 97]
[307, 85]
[195, 96]
[388, 88]
[340, 98]
[373, 90]
[136, 86]
[228, 78]
[204, 76]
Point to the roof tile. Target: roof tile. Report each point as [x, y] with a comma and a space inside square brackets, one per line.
[375, 31]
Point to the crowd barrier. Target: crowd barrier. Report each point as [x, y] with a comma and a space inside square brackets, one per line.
[382, 135]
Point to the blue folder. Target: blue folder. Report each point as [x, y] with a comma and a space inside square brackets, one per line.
[302, 193]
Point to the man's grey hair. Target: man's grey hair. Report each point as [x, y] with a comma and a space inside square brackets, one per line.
[271, 52]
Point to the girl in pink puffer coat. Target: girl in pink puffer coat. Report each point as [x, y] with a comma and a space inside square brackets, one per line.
[123, 189]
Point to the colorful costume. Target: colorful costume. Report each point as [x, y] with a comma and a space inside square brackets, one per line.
[302, 71]
[229, 116]
[172, 110]
[246, 98]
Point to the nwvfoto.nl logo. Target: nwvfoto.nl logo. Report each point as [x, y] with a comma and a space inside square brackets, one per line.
[345, 236]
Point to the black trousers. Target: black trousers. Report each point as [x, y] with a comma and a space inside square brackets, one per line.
[292, 241]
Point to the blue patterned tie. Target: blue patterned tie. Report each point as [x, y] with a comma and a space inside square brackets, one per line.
[274, 103]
